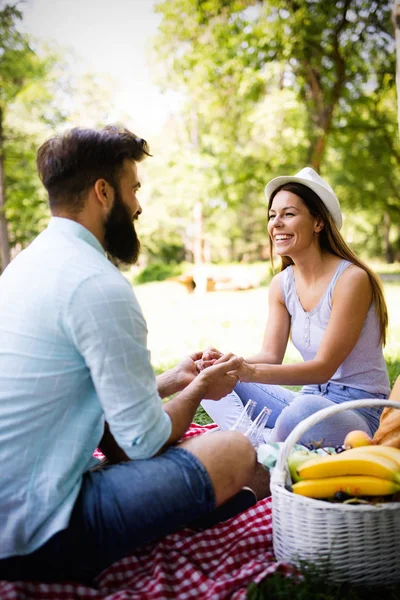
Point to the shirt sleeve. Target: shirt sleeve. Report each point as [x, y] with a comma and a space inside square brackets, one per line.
[107, 327]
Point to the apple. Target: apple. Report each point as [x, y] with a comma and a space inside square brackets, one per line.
[356, 439]
[295, 460]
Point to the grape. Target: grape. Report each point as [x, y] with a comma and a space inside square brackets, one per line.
[341, 496]
[339, 449]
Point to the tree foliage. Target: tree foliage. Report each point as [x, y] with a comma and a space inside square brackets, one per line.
[271, 86]
[19, 66]
[39, 95]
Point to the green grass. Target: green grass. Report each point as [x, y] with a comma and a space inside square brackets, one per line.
[315, 587]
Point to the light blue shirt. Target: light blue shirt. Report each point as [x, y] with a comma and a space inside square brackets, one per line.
[73, 352]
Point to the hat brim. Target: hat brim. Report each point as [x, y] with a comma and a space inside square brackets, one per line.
[328, 198]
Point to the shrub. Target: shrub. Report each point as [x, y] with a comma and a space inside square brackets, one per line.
[158, 272]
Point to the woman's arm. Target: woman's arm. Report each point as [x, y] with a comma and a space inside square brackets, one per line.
[351, 300]
[277, 329]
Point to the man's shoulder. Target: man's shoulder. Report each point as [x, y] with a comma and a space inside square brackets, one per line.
[72, 256]
[64, 265]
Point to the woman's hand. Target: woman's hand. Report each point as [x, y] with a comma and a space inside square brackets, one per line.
[208, 358]
[245, 372]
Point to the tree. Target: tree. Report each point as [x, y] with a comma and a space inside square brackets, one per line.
[40, 95]
[369, 180]
[396, 23]
[325, 51]
[19, 66]
[277, 85]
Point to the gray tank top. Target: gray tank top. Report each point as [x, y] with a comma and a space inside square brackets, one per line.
[365, 367]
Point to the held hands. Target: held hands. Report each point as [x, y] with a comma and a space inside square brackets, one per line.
[190, 366]
[211, 356]
[208, 358]
[220, 378]
[220, 372]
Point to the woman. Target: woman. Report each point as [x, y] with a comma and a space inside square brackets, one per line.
[333, 307]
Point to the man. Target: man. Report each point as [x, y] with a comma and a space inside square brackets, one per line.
[73, 356]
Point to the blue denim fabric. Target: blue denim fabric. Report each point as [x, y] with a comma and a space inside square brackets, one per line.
[343, 393]
[290, 408]
[120, 508]
[274, 397]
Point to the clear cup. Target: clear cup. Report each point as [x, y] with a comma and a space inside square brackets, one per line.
[244, 421]
[256, 429]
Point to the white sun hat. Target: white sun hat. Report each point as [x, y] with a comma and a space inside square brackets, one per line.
[311, 179]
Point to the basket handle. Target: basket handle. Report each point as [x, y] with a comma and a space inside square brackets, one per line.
[279, 475]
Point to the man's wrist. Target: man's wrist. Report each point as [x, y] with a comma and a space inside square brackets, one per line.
[167, 383]
[197, 388]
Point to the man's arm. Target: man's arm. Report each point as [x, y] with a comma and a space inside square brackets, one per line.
[213, 383]
[108, 329]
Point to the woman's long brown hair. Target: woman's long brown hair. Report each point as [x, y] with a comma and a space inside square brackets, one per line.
[331, 240]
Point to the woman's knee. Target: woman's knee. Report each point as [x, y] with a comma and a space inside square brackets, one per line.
[331, 431]
[303, 406]
[225, 411]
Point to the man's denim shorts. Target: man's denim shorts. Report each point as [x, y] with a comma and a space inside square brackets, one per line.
[120, 508]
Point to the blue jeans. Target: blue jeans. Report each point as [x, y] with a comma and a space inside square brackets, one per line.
[289, 408]
[119, 508]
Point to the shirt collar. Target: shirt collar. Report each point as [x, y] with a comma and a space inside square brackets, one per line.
[76, 229]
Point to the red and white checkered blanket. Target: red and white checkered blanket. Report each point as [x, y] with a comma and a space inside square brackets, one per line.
[214, 564]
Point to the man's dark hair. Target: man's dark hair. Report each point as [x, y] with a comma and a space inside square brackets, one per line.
[69, 164]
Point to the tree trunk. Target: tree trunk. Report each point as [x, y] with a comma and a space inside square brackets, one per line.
[198, 216]
[198, 238]
[317, 151]
[4, 243]
[322, 109]
[396, 22]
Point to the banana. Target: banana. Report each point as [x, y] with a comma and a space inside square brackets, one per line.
[354, 485]
[351, 462]
[388, 451]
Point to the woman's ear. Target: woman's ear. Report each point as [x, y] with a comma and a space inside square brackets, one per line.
[318, 225]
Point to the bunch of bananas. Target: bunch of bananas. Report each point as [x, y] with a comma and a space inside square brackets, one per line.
[364, 471]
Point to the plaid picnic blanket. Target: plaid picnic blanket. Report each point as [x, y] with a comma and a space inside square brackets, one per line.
[214, 564]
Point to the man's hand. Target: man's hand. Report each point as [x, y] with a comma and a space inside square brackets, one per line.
[176, 379]
[221, 377]
[187, 370]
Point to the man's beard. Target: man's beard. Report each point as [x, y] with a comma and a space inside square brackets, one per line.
[120, 239]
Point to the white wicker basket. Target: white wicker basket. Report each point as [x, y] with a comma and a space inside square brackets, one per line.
[348, 543]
